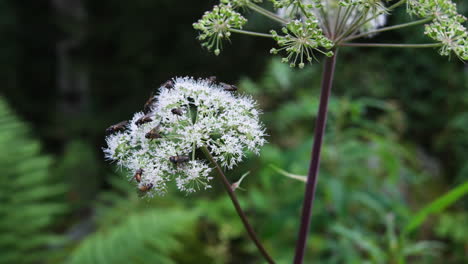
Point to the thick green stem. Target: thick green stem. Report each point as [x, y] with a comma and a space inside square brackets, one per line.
[236, 203]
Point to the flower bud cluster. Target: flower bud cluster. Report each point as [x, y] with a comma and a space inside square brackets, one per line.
[430, 8]
[446, 27]
[300, 40]
[214, 26]
[319, 25]
[186, 116]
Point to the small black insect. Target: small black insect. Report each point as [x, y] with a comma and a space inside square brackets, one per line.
[149, 103]
[179, 159]
[168, 84]
[153, 133]
[143, 120]
[138, 174]
[177, 111]
[117, 127]
[228, 87]
[211, 79]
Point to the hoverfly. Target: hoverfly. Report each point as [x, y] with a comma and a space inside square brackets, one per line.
[149, 103]
[153, 133]
[179, 159]
[145, 187]
[143, 120]
[138, 174]
[228, 87]
[177, 111]
[117, 127]
[168, 84]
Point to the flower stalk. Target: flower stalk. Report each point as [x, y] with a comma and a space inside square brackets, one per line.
[235, 202]
[309, 196]
[267, 13]
[391, 45]
[251, 33]
[409, 24]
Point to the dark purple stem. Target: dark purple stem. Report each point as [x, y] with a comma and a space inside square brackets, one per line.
[327, 81]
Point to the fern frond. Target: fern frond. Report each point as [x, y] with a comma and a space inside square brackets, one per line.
[148, 237]
[28, 198]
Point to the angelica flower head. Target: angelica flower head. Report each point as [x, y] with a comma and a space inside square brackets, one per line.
[312, 27]
[309, 26]
[189, 115]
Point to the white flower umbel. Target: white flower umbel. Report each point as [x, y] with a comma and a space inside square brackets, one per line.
[187, 115]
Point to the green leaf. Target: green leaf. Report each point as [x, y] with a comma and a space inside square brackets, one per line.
[289, 175]
[362, 241]
[436, 206]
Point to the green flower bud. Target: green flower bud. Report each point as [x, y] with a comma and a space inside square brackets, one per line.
[215, 26]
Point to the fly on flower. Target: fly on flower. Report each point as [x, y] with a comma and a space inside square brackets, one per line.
[138, 174]
[117, 127]
[176, 160]
[186, 116]
[143, 120]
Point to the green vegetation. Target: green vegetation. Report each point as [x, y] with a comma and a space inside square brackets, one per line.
[393, 172]
[31, 200]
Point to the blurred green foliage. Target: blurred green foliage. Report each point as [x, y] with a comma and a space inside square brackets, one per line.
[78, 159]
[129, 233]
[31, 201]
[396, 140]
